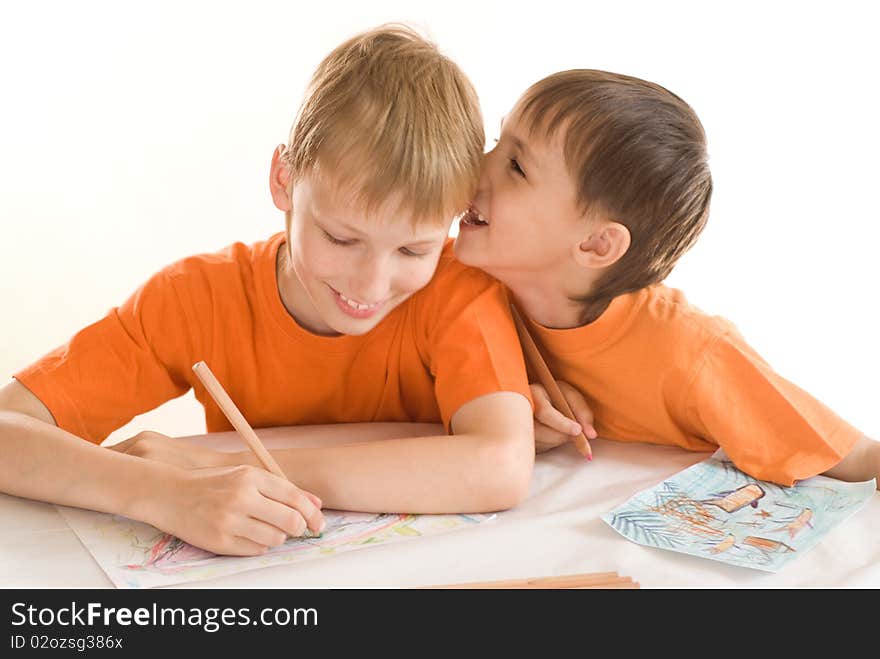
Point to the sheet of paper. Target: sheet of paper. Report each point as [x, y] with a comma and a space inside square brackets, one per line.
[137, 555]
[715, 511]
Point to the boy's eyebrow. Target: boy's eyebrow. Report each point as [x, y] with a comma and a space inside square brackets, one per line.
[523, 148]
[424, 242]
[520, 145]
[346, 227]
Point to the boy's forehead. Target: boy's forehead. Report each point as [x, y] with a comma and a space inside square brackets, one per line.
[345, 205]
[532, 138]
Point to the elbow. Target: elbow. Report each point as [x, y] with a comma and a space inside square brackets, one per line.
[510, 461]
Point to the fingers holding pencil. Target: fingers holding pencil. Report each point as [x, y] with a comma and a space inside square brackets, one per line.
[560, 402]
[299, 512]
[579, 407]
[552, 427]
[302, 510]
[238, 510]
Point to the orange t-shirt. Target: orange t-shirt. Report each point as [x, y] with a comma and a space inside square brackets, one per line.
[447, 344]
[653, 368]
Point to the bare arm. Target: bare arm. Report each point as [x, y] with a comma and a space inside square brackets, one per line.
[235, 510]
[41, 461]
[860, 464]
[485, 466]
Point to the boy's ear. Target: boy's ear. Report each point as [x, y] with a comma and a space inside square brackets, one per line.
[279, 180]
[606, 243]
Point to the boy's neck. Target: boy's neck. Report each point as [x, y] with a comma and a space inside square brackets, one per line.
[547, 302]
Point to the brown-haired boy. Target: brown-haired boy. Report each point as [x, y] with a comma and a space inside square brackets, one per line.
[357, 312]
[597, 186]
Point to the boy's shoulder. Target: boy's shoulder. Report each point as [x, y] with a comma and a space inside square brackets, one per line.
[236, 259]
[657, 327]
[453, 276]
[667, 312]
[655, 321]
[234, 272]
[671, 305]
[234, 275]
[455, 288]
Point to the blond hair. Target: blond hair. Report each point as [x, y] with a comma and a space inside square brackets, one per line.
[387, 115]
[637, 154]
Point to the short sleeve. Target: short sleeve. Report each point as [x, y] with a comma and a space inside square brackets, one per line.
[472, 346]
[769, 427]
[127, 363]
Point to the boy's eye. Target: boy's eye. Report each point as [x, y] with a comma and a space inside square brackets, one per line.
[408, 252]
[335, 240]
[514, 165]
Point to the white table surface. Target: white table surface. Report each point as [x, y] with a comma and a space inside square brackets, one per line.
[557, 530]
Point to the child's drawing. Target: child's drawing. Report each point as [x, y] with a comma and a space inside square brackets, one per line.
[715, 511]
[136, 555]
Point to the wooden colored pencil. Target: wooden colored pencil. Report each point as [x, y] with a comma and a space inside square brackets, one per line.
[236, 418]
[622, 584]
[539, 367]
[568, 581]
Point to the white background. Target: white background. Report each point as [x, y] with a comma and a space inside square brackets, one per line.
[133, 134]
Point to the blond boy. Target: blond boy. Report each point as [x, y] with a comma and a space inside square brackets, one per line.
[356, 312]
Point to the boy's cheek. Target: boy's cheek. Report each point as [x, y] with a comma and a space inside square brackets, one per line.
[323, 264]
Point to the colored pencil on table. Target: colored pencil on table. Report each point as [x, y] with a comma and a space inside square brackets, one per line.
[568, 581]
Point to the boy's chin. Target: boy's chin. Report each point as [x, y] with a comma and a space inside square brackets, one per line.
[346, 325]
[467, 253]
[351, 327]
[476, 258]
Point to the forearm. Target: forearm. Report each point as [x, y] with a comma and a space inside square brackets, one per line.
[862, 463]
[439, 474]
[43, 462]
[336, 434]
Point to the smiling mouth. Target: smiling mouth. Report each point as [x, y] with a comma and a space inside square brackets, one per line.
[354, 304]
[473, 217]
[354, 308]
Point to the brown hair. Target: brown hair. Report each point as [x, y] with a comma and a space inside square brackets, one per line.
[387, 114]
[637, 154]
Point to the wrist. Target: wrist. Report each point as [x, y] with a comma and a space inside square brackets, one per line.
[236, 458]
[148, 498]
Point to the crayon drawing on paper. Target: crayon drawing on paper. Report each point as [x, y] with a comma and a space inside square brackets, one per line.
[137, 555]
[715, 511]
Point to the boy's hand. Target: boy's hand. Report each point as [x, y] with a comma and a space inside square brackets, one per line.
[552, 427]
[240, 510]
[161, 448]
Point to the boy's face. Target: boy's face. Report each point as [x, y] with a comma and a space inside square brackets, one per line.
[348, 270]
[524, 217]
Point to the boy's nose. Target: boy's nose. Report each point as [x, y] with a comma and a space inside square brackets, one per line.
[372, 282]
[483, 183]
